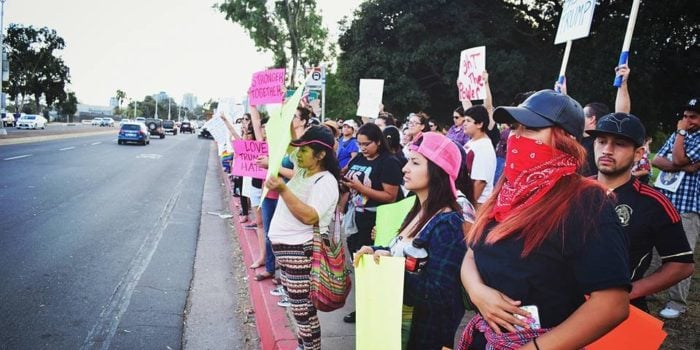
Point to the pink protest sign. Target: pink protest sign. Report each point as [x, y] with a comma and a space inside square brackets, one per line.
[470, 83]
[266, 87]
[246, 152]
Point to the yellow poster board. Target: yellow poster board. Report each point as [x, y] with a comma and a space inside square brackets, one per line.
[389, 219]
[379, 299]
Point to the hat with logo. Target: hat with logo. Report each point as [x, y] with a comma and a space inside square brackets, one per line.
[316, 134]
[621, 124]
[443, 152]
[543, 109]
[693, 105]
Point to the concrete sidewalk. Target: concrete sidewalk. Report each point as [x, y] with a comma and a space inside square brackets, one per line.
[275, 324]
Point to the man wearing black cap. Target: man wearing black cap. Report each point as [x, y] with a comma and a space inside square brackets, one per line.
[647, 217]
[679, 158]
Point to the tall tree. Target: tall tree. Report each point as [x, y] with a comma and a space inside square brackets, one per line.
[36, 70]
[69, 105]
[415, 46]
[290, 29]
[120, 96]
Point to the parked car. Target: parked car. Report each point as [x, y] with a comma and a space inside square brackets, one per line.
[107, 122]
[186, 127]
[204, 133]
[155, 127]
[8, 120]
[31, 121]
[170, 127]
[96, 121]
[133, 132]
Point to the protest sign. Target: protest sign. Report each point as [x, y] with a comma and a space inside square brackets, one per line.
[371, 91]
[278, 135]
[219, 132]
[640, 331]
[575, 21]
[266, 87]
[379, 302]
[246, 152]
[470, 83]
[389, 219]
[228, 107]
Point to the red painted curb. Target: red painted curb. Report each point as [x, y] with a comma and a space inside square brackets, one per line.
[270, 319]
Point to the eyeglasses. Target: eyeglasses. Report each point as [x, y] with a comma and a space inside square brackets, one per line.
[412, 123]
[433, 125]
[365, 144]
[246, 119]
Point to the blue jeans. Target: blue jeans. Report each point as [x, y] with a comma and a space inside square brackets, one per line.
[268, 210]
[500, 163]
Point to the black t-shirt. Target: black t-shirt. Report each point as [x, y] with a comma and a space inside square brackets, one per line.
[373, 173]
[591, 168]
[569, 264]
[650, 220]
[494, 135]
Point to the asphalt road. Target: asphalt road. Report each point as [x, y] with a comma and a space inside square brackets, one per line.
[97, 241]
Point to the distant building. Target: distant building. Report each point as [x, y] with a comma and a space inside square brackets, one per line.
[189, 101]
[113, 102]
[160, 97]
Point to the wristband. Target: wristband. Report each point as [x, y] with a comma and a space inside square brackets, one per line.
[682, 132]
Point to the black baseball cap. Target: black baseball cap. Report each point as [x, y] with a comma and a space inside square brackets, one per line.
[693, 105]
[620, 124]
[543, 109]
[316, 134]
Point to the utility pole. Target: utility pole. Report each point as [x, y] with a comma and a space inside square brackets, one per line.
[2, 65]
[169, 108]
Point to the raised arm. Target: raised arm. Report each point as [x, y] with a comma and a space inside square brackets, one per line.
[257, 124]
[230, 127]
[622, 99]
[488, 101]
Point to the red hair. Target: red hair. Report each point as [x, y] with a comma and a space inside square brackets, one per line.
[536, 222]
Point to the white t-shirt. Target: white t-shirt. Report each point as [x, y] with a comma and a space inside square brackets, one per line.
[319, 191]
[483, 166]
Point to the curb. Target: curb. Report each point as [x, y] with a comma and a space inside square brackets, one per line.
[271, 320]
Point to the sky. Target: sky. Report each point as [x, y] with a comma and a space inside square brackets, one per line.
[146, 46]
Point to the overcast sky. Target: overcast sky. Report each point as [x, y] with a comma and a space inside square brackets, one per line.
[146, 46]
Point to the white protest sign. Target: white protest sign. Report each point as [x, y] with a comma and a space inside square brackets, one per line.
[575, 21]
[470, 83]
[370, 97]
[218, 130]
[227, 106]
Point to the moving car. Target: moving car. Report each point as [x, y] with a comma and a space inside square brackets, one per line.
[205, 134]
[31, 121]
[141, 120]
[107, 122]
[186, 127]
[169, 126]
[133, 132]
[8, 120]
[96, 121]
[155, 127]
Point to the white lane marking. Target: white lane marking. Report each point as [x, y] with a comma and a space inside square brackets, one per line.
[18, 157]
[95, 143]
[149, 156]
[66, 149]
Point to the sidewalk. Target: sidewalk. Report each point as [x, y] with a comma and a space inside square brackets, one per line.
[274, 323]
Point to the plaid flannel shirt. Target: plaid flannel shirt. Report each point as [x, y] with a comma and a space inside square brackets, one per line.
[687, 198]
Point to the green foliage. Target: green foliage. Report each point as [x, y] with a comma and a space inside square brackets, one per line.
[341, 98]
[35, 70]
[415, 46]
[69, 106]
[290, 29]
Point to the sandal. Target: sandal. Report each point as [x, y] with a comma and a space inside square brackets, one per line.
[263, 276]
[256, 265]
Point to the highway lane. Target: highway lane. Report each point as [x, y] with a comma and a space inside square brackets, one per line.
[97, 241]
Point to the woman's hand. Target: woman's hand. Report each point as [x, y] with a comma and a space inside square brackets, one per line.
[353, 184]
[364, 250]
[373, 233]
[262, 162]
[380, 252]
[497, 308]
[275, 183]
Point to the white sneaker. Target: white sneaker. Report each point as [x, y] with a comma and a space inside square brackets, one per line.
[670, 313]
[284, 302]
[278, 292]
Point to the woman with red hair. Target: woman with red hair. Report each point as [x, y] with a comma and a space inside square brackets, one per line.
[546, 240]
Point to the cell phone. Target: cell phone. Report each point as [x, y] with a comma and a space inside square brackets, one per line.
[533, 321]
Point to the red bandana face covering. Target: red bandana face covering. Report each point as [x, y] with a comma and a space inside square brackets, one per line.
[531, 170]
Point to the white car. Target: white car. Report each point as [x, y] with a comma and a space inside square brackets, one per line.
[31, 121]
[96, 121]
[107, 122]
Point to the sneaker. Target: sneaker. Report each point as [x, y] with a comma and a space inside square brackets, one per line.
[278, 292]
[670, 313]
[251, 226]
[284, 302]
[349, 318]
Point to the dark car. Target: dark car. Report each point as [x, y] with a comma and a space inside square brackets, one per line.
[186, 127]
[155, 127]
[133, 132]
[204, 133]
[170, 127]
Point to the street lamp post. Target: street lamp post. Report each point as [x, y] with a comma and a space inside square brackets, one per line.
[2, 66]
[168, 108]
[155, 116]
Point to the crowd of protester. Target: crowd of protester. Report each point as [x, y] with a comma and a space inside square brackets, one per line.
[541, 215]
